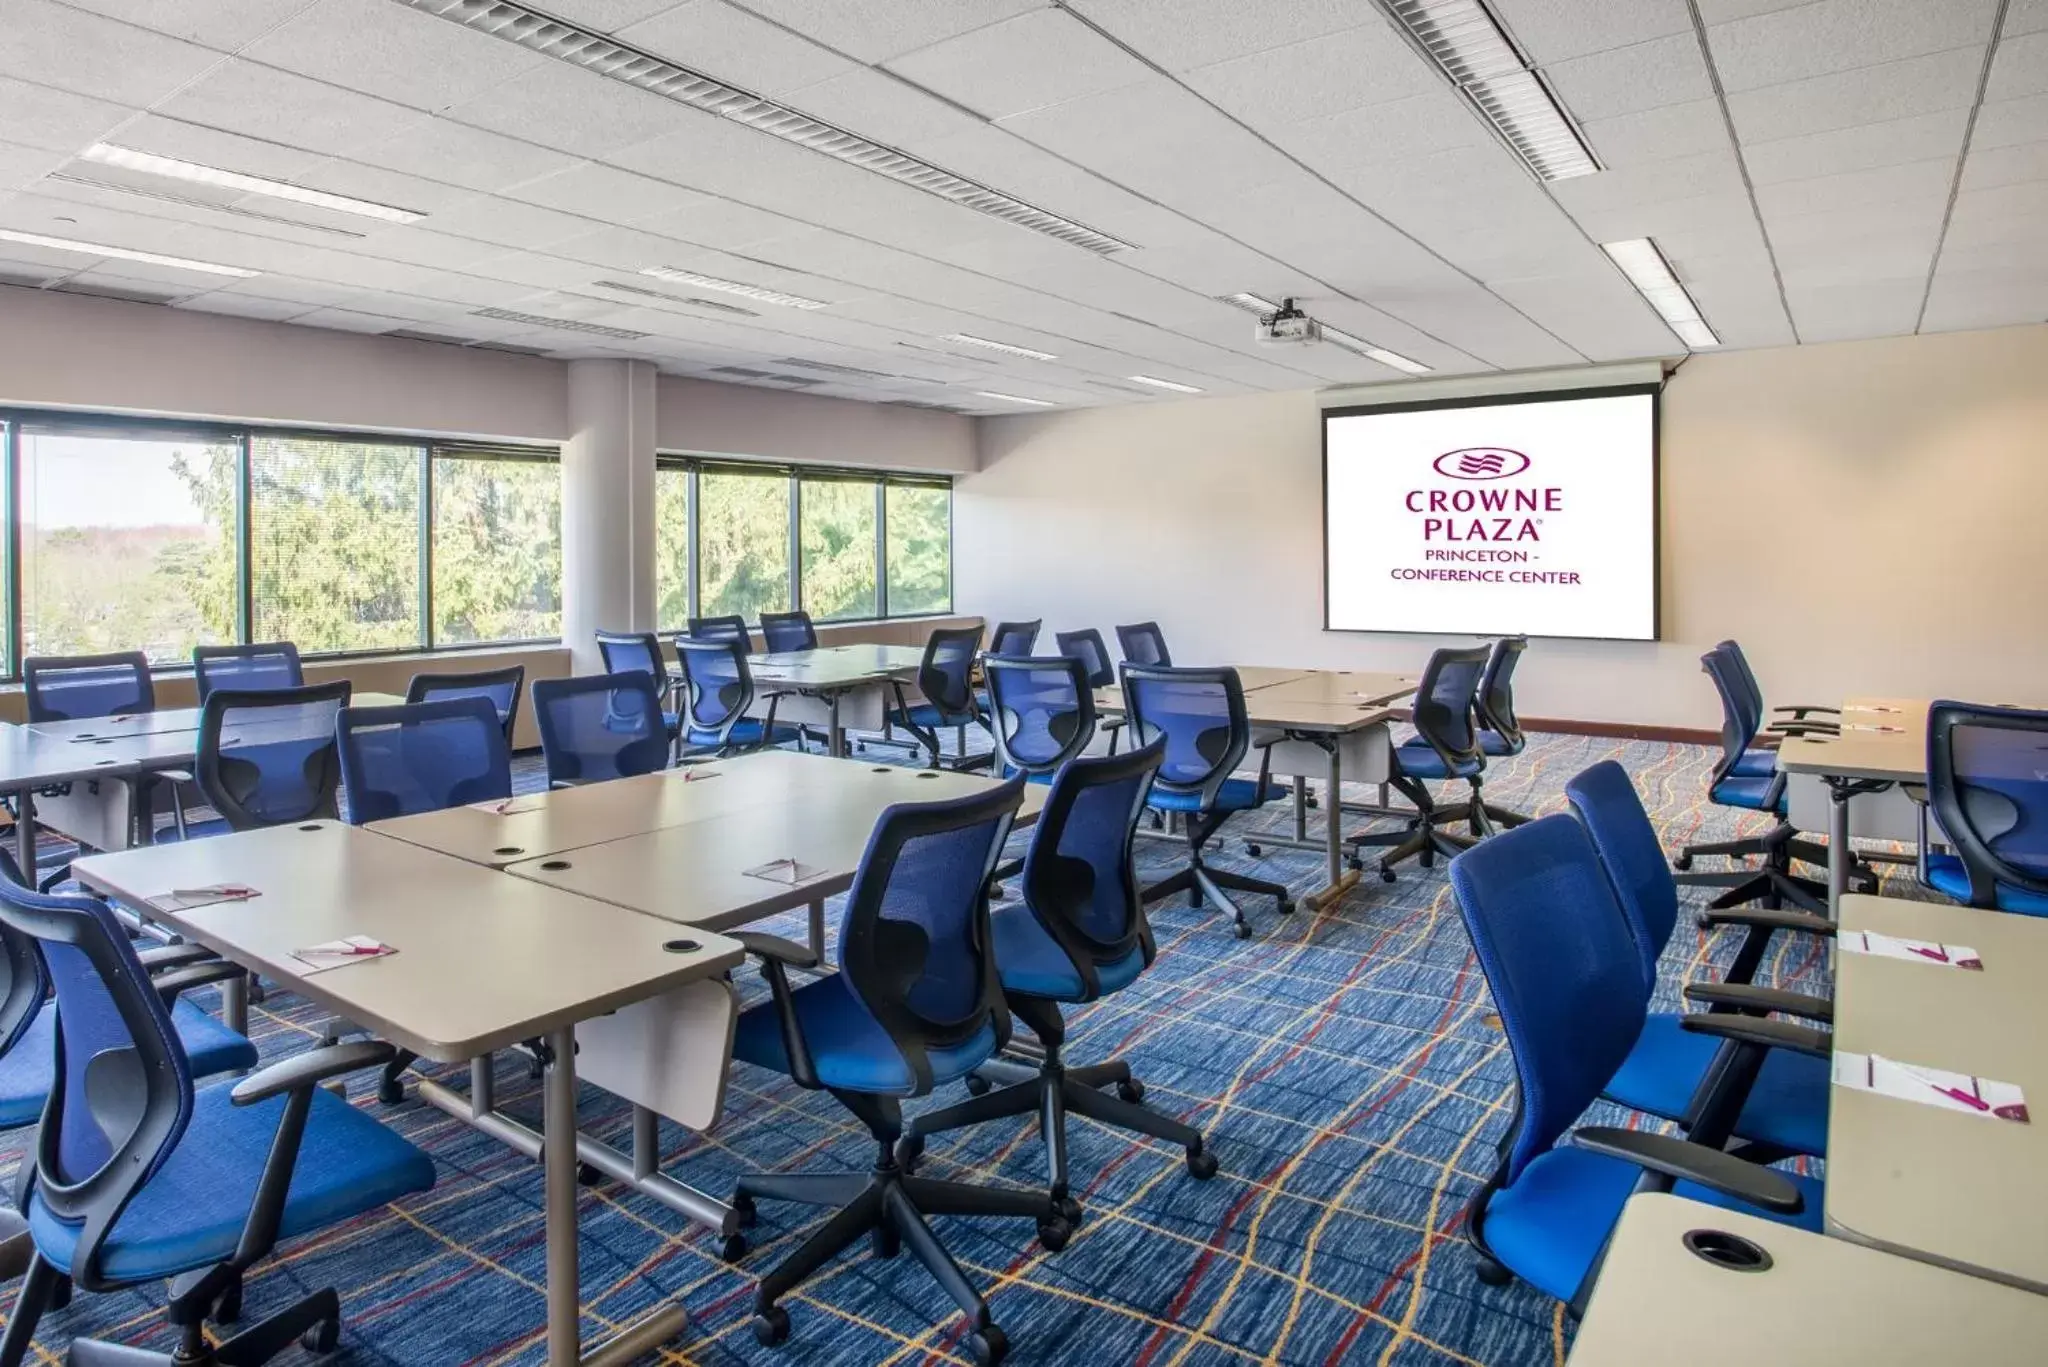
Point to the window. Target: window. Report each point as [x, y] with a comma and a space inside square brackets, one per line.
[497, 547]
[672, 547]
[128, 540]
[334, 542]
[838, 548]
[919, 547]
[742, 542]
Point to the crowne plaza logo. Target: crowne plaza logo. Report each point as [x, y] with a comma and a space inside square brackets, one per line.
[1481, 462]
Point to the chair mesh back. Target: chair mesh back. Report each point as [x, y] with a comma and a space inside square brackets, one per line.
[249, 669]
[500, 687]
[1744, 679]
[1143, 643]
[1087, 647]
[944, 677]
[721, 629]
[21, 995]
[66, 688]
[422, 757]
[1497, 690]
[1739, 721]
[1444, 702]
[1561, 966]
[719, 684]
[1040, 710]
[782, 631]
[1605, 801]
[1013, 638]
[270, 757]
[601, 726]
[1198, 713]
[1987, 775]
[626, 651]
[1080, 878]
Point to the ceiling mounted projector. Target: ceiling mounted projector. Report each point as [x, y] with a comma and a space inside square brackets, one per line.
[1288, 327]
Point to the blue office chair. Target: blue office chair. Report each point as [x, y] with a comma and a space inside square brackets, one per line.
[1772, 881]
[1143, 643]
[1041, 713]
[140, 1177]
[268, 757]
[1500, 730]
[1200, 715]
[1565, 979]
[1787, 1109]
[1802, 720]
[1013, 638]
[600, 726]
[1087, 647]
[1445, 746]
[945, 678]
[916, 1004]
[732, 628]
[783, 631]
[1987, 781]
[271, 664]
[623, 651]
[422, 757]
[73, 687]
[718, 689]
[1079, 934]
[501, 686]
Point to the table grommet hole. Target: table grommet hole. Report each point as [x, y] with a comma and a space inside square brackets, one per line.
[929, 773]
[681, 946]
[555, 865]
[1730, 1252]
[311, 828]
[510, 849]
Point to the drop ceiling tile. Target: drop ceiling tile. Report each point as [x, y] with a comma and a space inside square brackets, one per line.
[1739, 299]
[1841, 35]
[211, 147]
[262, 102]
[1656, 182]
[425, 247]
[1708, 224]
[343, 176]
[2019, 199]
[1852, 263]
[1915, 222]
[884, 108]
[1596, 312]
[574, 111]
[243, 306]
[2026, 16]
[1860, 148]
[721, 223]
[393, 52]
[608, 16]
[40, 116]
[1722, 11]
[1045, 57]
[444, 150]
[602, 192]
[509, 223]
[1555, 30]
[222, 24]
[182, 281]
[309, 294]
[1986, 299]
[1868, 190]
[1183, 34]
[2020, 68]
[1349, 69]
[876, 30]
[1995, 166]
[1835, 313]
[1434, 121]
[1480, 325]
[349, 320]
[1625, 80]
[86, 54]
[1670, 131]
[619, 249]
[730, 44]
[1973, 229]
[2007, 122]
[136, 288]
[24, 166]
[1896, 90]
[2018, 254]
[1154, 137]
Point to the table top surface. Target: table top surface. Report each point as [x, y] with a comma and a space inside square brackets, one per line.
[1338, 687]
[696, 872]
[830, 667]
[1962, 1190]
[58, 752]
[535, 825]
[1821, 1300]
[1319, 700]
[483, 960]
[1882, 738]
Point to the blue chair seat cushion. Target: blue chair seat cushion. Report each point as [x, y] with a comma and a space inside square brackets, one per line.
[1032, 964]
[1756, 764]
[746, 731]
[1787, 1107]
[1947, 875]
[198, 830]
[1550, 1225]
[848, 1046]
[1045, 776]
[190, 1214]
[1236, 795]
[1495, 744]
[1418, 759]
[929, 718]
[1752, 793]
[30, 1067]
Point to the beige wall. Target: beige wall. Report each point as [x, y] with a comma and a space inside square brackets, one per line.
[1862, 516]
[732, 419]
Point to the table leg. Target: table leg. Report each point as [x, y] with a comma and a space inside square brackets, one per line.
[25, 834]
[1301, 809]
[234, 1003]
[1341, 880]
[835, 734]
[1838, 847]
[818, 933]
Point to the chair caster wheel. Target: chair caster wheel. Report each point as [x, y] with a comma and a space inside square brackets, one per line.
[732, 1247]
[1069, 1210]
[587, 1176]
[976, 1086]
[909, 1149]
[1386, 875]
[1201, 1163]
[1286, 907]
[1131, 1090]
[885, 1242]
[771, 1326]
[390, 1091]
[1242, 930]
[744, 1212]
[1053, 1233]
[1252, 849]
[1355, 864]
[1682, 862]
[989, 1347]
[323, 1337]
[1492, 1273]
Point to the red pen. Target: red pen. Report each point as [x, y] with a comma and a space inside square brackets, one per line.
[1975, 1103]
[1939, 953]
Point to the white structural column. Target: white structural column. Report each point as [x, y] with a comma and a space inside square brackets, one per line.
[607, 504]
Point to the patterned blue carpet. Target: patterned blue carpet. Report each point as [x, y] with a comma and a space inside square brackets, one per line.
[1344, 1064]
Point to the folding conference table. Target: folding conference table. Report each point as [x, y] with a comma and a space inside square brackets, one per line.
[1881, 749]
[832, 686]
[483, 962]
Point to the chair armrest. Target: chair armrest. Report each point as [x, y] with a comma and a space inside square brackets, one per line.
[1801, 709]
[1769, 918]
[1773, 1034]
[177, 980]
[1749, 997]
[774, 947]
[1797, 729]
[775, 954]
[303, 1072]
[176, 775]
[1686, 1161]
[165, 957]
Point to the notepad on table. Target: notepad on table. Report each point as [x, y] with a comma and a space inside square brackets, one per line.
[1931, 1086]
[352, 949]
[185, 899]
[788, 871]
[1913, 951]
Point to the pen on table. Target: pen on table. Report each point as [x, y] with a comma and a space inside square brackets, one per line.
[351, 951]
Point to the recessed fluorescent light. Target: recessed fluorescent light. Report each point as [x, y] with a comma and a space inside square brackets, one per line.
[1465, 39]
[1167, 384]
[608, 57]
[151, 164]
[1014, 398]
[65, 244]
[1650, 273]
[1360, 347]
[1250, 303]
[1025, 351]
[758, 293]
[535, 320]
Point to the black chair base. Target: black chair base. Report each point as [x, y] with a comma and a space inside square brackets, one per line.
[1427, 833]
[888, 1207]
[313, 1323]
[1770, 887]
[1203, 883]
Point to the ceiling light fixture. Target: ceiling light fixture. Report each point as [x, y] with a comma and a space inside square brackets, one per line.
[1015, 398]
[1250, 303]
[666, 297]
[1168, 384]
[194, 202]
[1650, 273]
[1360, 347]
[128, 159]
[538, 32]
[65, 244]
[1025, 351]
[758, 293]
[1465, 39]
[536, 320]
